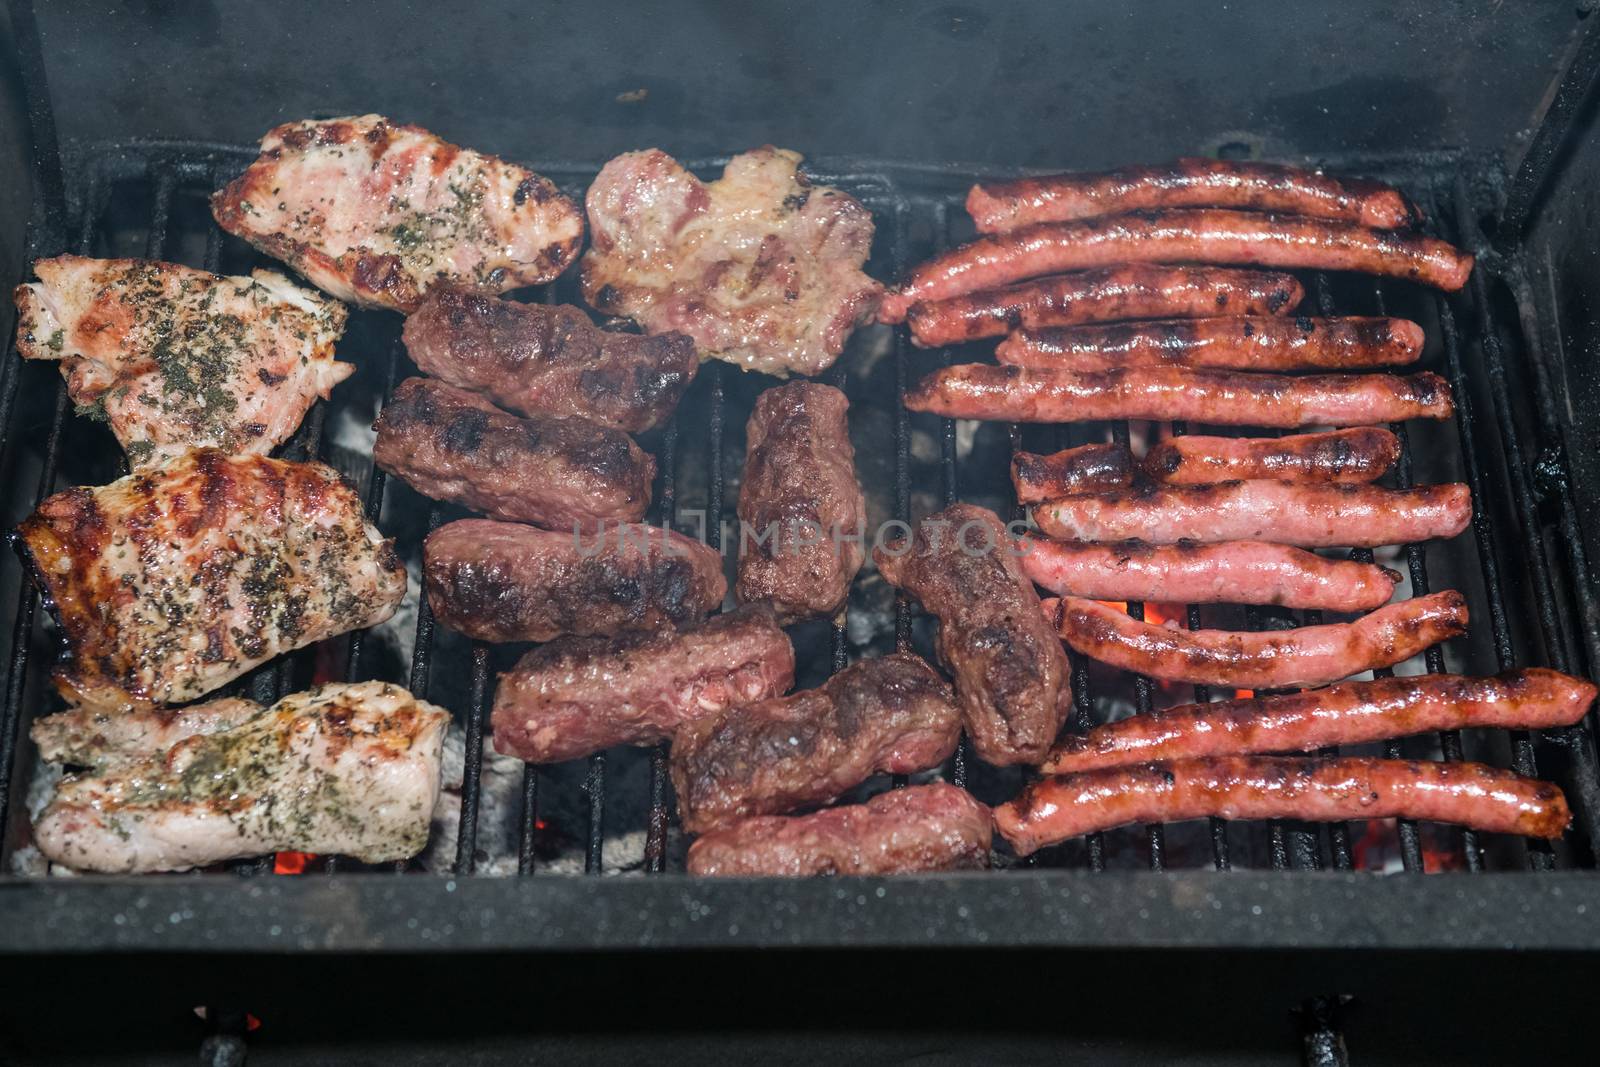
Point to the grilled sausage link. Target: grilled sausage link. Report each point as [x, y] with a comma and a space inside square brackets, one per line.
[998, 206]
[1052, 810]
[1282, 659]
[1087, 468]
[1350, 713]
[1352, 456]
[1310, 516]
[1165, 394]
[1249, 342]
[1235, 572]
[1134, 291]
[1196, 235]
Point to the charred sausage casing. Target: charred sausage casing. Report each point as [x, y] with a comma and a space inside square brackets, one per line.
[1087, 468]
[1354, 456]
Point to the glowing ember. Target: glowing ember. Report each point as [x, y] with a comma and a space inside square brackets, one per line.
[292, 862]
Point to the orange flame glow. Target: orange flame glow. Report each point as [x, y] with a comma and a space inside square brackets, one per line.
[292, 862]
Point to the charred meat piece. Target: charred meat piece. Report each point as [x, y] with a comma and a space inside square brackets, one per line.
[1197, 235]
[180, 577]
[1350, 713]
[174, 358]
[376, 212]
[1310, 516]
[565, 474]
[892, 715]
[1256, 343]
[1195, 182]
[345, 770]
[539, 359]
[1131, 291]
[934, 827]
[1354, 456]
[1281, 787]
[502, 581]
[801, 511]
[1169, 394]
[1278, 659]
[761, 268]
[1012, 678]
[95, 737]
[578, 695]
[1085, 469]
[1232, 572]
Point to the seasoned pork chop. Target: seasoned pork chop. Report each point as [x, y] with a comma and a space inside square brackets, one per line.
[345, 769]
[95, 737]
[175, 358]
[375, 212]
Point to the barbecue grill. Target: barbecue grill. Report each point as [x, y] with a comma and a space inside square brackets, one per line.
[132, 119]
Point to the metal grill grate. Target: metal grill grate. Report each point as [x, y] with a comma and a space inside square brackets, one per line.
[145, 199]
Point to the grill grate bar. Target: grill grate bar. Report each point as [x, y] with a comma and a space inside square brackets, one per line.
[472, 763]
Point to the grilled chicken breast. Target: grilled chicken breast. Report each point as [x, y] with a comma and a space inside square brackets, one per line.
[345, 769]
[375, 212]
[176, 358]
[95, 737]
[760, 267]
[178, 578]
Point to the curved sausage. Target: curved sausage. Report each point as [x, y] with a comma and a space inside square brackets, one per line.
[1352, 456]
[1087, 468]
[1196, 235]
[1235, 572]
[1280, 659]
[1350, 713]
[1281, 787]
[997, 206]
[1309, 516]
[1255, 342]
[1164, 394]
[1134, 291]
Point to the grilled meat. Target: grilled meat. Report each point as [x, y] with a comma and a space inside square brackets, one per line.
[1012, 678]
[566, 474]
[174, 358]
[921, 828]
[1310, 516]
[95, 737]
[502, 581]
[1085, 469]
[578, 695]
[1131, 291]
[539, 359]
[999, 206]
[892, 715]
[801, 511]
[345, 769]
[1169, 394]
[761, 268]
[1279, 659]
[1198, 235]
[1362, 454]
[1233, 572]
[1350, 713]
[1255, 343]
[1281, 787]
[180, 577]
[376, 212]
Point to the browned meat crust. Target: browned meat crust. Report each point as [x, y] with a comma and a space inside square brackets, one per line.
[1087, 468]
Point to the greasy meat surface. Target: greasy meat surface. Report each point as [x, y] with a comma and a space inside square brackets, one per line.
[502, 581]
[563, 473]
[175, 358]
[578, 695]
[892, 715]
[95, 737]
[1012, 678]
[1361, 454]
[543, 359]
[180, 577]
[760, 267]
[1086, 468]
[800, 504]
[345, 770]
[376, 212]
[934, 827]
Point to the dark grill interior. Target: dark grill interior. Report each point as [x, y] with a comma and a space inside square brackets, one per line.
[149, 200]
